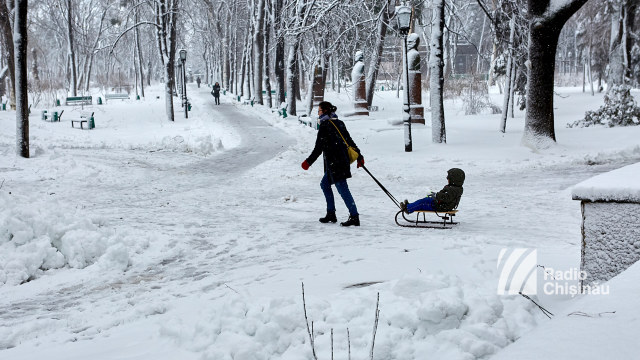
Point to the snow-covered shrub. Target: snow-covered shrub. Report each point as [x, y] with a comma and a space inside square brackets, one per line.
[475, 97]
[454, 87]
[619, 109]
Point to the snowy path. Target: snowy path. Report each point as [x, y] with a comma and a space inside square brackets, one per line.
[243, 222]
[190, 205]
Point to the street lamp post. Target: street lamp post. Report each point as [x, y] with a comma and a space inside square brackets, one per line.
[404, 13]
[185, 102]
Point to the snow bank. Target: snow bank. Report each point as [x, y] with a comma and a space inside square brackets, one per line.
[592, 327]
[127, 124]
[39, 235]
[618, 185]
[203, 145]
[436, 316]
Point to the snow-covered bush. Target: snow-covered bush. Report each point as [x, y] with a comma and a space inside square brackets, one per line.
[475, 97]
[454, 87]
[619, 109]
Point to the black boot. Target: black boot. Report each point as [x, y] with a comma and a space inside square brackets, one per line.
[354, 220]
[330, 217]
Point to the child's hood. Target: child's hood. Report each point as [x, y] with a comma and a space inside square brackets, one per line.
[455, 176]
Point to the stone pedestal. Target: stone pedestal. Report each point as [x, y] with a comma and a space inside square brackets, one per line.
[415, 97]
[318, 86]
[415, 79]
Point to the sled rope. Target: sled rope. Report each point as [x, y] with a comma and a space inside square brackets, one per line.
[395, 201]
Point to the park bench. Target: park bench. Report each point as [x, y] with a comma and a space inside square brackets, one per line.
[308, 121]
[113, 96]
[78, 100]
[52, 117]
[246, 101]
[85, 118]
[446, 216]
[281, 111]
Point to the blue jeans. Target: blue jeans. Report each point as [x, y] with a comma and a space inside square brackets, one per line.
[343, 190]
[427, 204]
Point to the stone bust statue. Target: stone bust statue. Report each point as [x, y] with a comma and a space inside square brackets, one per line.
[413, 56]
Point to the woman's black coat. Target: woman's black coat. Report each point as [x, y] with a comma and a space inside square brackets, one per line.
[330, 144]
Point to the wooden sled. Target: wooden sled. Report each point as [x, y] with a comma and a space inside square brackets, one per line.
[446, 216]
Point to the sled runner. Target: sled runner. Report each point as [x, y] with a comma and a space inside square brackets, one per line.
[446, 216]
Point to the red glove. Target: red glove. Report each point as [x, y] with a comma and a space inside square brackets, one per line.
[305, 165]
[360, 161]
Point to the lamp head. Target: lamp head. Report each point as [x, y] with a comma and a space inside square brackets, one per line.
[403, 16]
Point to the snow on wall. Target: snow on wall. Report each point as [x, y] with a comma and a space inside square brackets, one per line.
[620, 185]
[611, 240]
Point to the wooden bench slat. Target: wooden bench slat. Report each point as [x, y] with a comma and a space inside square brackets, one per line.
[116, 96]
[86, 100]
[439, 212]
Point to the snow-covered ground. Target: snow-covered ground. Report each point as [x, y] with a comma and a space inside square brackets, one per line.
[143, 239]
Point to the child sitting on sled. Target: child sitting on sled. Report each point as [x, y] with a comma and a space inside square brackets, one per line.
[446, 199]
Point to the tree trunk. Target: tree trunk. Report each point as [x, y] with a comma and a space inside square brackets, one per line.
[6, 24]
[279, 58]
[544, 30]
[22, 99]
[539, 123]
[309, 98]
[71, 51]
[514, 77]
[166, 18]
[438, 132]
[300, 72]
[242, 68]
[35, 71]
[149, 69]
[589, 68]
[620, 46]
[376, 56]
[258, 53]
[267, 70]
[292, 78]
[507, 90]
[478, 69]
[139, 53]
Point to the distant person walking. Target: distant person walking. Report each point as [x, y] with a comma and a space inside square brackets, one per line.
[198, 81]
[216, 92]
[330, 142]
